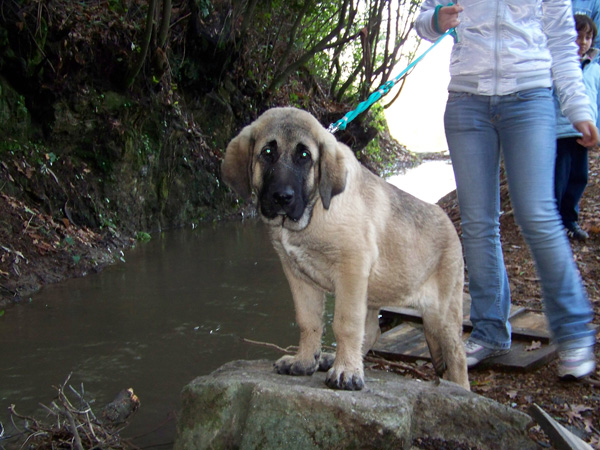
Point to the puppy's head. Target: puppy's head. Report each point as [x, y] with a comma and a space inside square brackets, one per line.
[289, 161]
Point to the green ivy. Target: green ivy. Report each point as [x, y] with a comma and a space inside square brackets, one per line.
[142, 236]
[205, 7]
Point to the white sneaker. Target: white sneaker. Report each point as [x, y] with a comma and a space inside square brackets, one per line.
[576, 362]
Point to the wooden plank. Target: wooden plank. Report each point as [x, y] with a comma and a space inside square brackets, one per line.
[520, 358]
[407, 342]
[526, 323]
[515, 311]
[413, 315]
[530, 324]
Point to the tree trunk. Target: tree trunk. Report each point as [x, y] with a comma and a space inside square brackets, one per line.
[164, 23]
[145, 46]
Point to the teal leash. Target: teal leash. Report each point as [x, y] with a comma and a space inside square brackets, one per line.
[383, 90]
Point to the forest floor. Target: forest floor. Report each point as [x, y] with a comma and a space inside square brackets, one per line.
[36, 249]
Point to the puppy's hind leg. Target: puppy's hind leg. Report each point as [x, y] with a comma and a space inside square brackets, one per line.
[435, 350]
[443, 335]
[454, 355]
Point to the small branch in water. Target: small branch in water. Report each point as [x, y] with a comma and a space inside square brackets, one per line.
[27, 419]
[73, 429]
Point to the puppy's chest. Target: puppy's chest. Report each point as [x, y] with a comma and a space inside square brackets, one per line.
[309, 261]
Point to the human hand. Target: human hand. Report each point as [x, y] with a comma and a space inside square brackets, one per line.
[590, 133]
[447, 18]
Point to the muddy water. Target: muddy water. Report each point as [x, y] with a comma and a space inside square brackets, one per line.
[176, 309]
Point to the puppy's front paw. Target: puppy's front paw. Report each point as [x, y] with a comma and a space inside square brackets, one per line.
[349, 380]
[326, 361]
[291, 365]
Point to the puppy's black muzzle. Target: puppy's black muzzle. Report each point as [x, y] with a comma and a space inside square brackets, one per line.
[282, 195]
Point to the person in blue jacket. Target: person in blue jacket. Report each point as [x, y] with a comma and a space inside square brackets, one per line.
[590, 8]
[507, 56]
[571, 171]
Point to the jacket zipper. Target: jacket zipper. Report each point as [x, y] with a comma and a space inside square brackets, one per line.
[497, 45]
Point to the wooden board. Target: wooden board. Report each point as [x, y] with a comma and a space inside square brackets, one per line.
[530, 324]
[530, 349]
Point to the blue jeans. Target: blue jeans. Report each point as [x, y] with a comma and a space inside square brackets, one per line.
[570, 178]
[521, 128]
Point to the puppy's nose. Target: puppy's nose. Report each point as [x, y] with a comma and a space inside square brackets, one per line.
[284, 196]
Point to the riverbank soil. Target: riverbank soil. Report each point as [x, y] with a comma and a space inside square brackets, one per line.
[36, 249]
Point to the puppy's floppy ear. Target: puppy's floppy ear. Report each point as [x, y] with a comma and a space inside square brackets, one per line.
[236, 169]
[332, 176]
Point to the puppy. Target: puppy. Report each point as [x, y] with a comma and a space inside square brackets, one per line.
[338, 228]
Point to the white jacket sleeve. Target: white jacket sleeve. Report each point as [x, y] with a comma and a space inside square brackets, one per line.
[424, 24]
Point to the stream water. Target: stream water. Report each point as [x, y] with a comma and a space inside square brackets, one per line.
[176, 309]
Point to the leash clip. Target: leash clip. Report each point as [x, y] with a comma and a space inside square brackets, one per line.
[333, 128]
[339, 125]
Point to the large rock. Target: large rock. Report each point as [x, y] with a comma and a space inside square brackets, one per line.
[246, 405]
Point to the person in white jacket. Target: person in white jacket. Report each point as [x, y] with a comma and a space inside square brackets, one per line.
[507, 55]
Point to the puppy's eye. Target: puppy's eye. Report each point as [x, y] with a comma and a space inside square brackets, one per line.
[302, 154]
[268, 154]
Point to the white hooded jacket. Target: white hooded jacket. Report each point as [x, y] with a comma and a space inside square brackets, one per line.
[507, 46]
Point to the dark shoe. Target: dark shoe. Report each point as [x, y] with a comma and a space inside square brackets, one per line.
[477, 353]
[576, 363]
[577, 233]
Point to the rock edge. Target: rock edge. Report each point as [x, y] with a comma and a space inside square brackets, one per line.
[246, 405]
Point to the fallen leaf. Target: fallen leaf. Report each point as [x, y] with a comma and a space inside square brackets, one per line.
[512, 394]
[581, 408]
[589, 426]
[535, 345]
